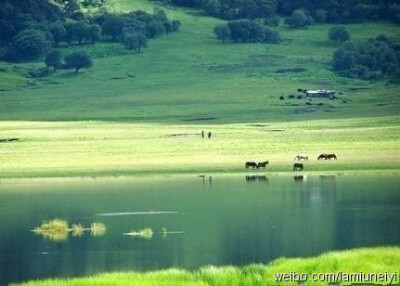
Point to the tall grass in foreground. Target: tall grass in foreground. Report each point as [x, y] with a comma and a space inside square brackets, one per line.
[367, 260]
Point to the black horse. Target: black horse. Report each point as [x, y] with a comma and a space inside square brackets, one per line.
[330, 156]
[262, 164]
[298, 167]
[251, 164]
[327, 156]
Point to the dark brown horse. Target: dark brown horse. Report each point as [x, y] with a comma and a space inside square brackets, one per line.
[251, 164]
[327, 156]
[330, 156]
[262, 164]
[298, 167]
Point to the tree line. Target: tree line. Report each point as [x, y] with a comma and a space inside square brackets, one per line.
[246, 30]
[331, 11]
[31, 28]
[375, 58]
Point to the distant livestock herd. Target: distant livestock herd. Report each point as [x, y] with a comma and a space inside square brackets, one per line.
[296, 166]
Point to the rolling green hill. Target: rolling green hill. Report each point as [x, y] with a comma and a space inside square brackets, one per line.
[190, 75]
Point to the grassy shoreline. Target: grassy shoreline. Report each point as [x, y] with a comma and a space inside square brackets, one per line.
[366, 260]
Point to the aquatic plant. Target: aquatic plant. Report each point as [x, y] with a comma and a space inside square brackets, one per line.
[77, 229]
[164, 232]
[97, 229]
[56, 229]
[146, 233]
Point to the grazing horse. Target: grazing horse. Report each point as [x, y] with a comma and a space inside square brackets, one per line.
[327, 156]
[301, 157]
[298, 167]
[251, 164]
[262, 164]
[330, 156]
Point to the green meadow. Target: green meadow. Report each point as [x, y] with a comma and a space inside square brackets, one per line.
[94, 148]
[367, 260]
[120, 116]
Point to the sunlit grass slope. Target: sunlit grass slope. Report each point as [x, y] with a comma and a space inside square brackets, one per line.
[367, 260]
[190, 75]
[96, 148]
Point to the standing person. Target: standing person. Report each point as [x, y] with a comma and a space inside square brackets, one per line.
[202, 133]
[209, 135]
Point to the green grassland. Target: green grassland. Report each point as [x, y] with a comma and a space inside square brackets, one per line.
[368, 260]
[118, 117]
[95, 148]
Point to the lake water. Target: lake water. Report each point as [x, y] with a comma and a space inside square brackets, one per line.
[221, 220]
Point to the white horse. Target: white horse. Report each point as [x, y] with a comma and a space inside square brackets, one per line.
[301, 157]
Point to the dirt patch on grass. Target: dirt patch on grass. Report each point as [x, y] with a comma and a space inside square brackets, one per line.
[183, 134]
[6, 140]
[258, 125]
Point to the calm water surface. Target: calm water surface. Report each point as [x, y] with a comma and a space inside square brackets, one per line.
[220, 220]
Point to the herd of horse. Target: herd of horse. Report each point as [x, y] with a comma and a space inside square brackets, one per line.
[296, 166]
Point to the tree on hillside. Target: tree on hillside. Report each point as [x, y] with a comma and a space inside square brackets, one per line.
[271, 36]
[58, 32]
[53, 59]
[113, 26]
[222, 32]
[135, 41]
[320, 16]
[298, 19]
[94, 3]
[155, 28]
[80, 30]
[30, 44]
[78, 60]
[338, 34]
[94, 33]
[213, 7]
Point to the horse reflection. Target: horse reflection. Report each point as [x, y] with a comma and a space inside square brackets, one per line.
[299, 178]
[251, 179]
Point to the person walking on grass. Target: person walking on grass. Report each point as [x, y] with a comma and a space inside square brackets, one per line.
[202, 133]
[209, 135]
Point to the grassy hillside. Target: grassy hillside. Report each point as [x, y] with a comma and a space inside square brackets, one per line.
[190, 75]
[369, 260]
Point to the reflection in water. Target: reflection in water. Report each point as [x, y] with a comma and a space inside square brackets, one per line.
[238, 223]
[138, 213]
[77, 230]
[300, 178]
[97, 229]
[255, 178]
[146, 233]
[57, 230]
[203, 177]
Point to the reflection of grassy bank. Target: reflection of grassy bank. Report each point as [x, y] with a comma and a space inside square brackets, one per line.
[63, 149]
[367, 260]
